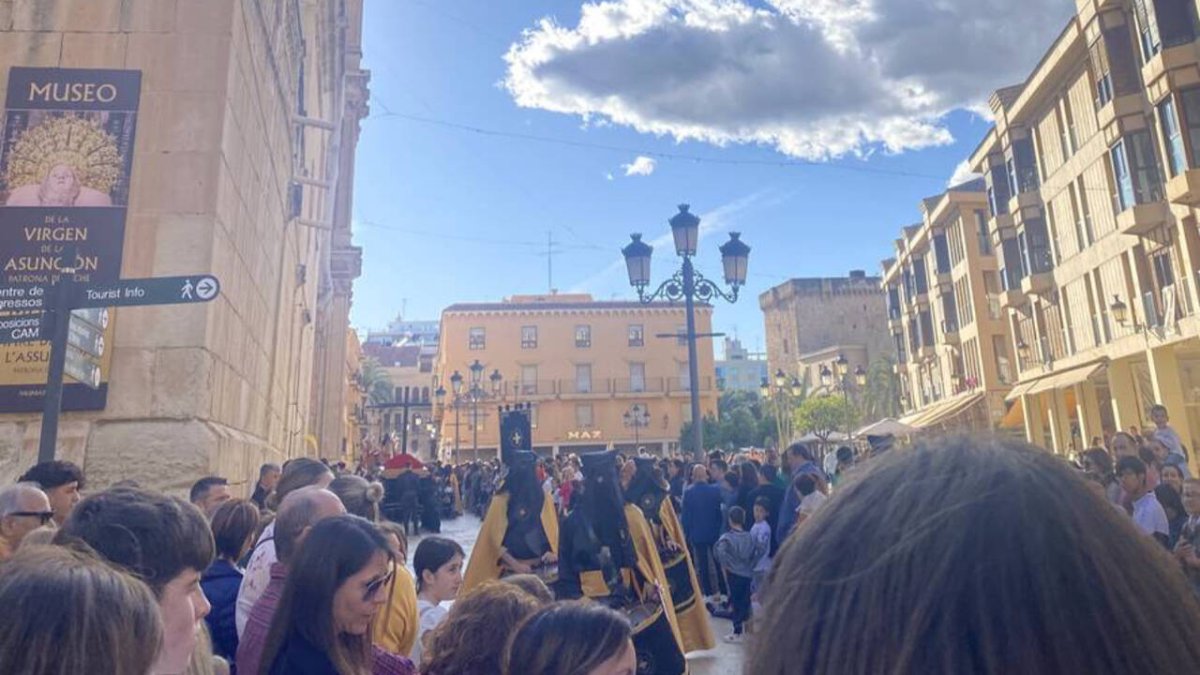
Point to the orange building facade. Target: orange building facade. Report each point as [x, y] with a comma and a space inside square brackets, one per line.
[582, 364]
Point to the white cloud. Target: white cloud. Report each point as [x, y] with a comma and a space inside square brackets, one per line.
[812, 78]
[962, 174]
[608, 176]
[641, 166]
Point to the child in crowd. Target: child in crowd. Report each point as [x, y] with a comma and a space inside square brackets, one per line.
[739, 552]
[438, 563]
[761, 531]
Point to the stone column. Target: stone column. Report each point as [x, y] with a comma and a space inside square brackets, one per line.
[1087, 407]
[1060, 420]
[1035, 429]
[1126, 411]
[1168, 390]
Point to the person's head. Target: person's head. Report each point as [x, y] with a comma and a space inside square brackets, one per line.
[299, 512]
[1124, 445]
[1170, 500]
[335, 585]
[531, 584]
[1131, 473]
[23, 509]
[1158, 413]
[209, 493]
[768, 472]
[845, 457]
[268, 476]
[61, 481]
[1096, 462]
[360, 497]
[438, 564]
[772, 456]
[397, 537]
[805, 484]
[165, 542]
[66, 612]
[797, 455]
[233, 526]
[1172, 475]
[572, 638]
[1191, 496]
[868, 571]
[717, 469]
[298, 473]
[737, 518]
[699, 474]
[762, 509]
[473, 637]
[675, 467]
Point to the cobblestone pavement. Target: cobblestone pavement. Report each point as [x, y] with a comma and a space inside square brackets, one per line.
[726, 659]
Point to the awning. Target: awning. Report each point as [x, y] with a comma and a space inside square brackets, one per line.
[942, 411]
[1054, 381]
[884, 427]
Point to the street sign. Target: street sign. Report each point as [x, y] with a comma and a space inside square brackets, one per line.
[23, 328]
[86, 338]
[82, 369]
[153, 291]
[24, 297]
[96, 317]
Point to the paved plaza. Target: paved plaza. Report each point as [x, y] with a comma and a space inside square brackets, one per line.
[725, 659]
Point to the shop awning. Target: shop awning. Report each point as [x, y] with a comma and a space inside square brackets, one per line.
[1067, 378]
[1016, 392]
[942, 411]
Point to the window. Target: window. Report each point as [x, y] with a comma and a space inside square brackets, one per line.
[583, 336]
[583, 415]
[637, 377]
[941, 253]
[997, 191]
[681, 336]
[921, 282]
[1071, 136]
[477, 338]
[685, 375]
[529, 380]
[1034, 244]
[528, 337]
[1101, 72]
[1189, 101]
[1148, 36]
[1022, 167]
[1135, 170]
[583, 378]
[985, 240]
[637, 335]
[1173, 137]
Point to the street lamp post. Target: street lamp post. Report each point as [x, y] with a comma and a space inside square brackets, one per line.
[474, 395]
[688, 285]
[781, 396]
[637, 418]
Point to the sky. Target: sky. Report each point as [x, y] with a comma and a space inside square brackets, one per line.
[813, 127]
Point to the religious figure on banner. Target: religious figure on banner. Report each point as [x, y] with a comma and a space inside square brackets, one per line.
[63, 161]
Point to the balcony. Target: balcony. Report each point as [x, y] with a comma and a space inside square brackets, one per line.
[1185, 188]
[1030, 199]
[532, 389]
[1037, 283]
[950, 332]
[925, 352]
[1001, 227]
[942, 281]
[1121, 106]
[1168, 59]
[585, 389]
[1013, 297]
[677, 386]
[1141, 219]
[634, 388]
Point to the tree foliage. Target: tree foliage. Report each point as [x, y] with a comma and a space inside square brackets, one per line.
[375, 382]
[882, 396]
[823, 415]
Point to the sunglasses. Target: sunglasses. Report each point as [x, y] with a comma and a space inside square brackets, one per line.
[377, 584]
[45, 516]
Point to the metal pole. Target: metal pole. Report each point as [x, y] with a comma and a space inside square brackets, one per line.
[404, 423]
[456, 431]
[475, 423]
[689, 292]
[52, 401]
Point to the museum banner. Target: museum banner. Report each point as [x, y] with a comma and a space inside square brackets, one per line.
[65, 166]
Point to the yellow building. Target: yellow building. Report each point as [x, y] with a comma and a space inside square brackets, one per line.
[1093, 176]
[952, 351]
[582, 364]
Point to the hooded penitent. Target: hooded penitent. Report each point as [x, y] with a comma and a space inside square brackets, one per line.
[519, 520]
[608, 554]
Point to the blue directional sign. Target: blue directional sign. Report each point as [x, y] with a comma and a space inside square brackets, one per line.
[153, 291]
[24, 328]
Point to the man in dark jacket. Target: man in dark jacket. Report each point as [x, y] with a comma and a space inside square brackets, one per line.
[702, 525]
[768, 489]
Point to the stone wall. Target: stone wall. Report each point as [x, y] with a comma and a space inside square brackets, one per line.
[222, 387]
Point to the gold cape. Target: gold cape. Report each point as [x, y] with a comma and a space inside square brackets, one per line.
[395, 627]
[485, 557]
[693, 619]
[650, 565]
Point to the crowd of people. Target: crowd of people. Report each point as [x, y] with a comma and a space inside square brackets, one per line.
[959, 555]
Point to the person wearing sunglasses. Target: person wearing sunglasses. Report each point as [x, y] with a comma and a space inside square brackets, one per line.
[23, 509]
[335, 586]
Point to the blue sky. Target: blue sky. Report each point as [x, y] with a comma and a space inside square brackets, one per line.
[457, 188]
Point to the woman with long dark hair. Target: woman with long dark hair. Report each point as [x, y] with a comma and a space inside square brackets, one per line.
[572, 638]
[335, 585]
[974, 556]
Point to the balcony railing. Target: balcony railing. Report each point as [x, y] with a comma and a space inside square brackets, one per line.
[650, 385]
[596, 385]
[678, 384]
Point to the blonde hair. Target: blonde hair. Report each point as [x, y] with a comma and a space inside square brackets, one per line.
[360, 497]
[100, 619]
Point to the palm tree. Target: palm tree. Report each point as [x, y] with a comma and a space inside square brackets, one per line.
[375, 382]
[882, 396]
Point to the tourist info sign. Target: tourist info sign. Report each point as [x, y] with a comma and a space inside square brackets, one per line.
[77, 318]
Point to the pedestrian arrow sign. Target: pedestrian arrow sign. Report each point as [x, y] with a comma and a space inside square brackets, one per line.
[82, 369]
[153, 291]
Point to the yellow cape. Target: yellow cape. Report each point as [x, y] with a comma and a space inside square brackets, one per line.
[396, 625]
[650, 565]
[485, 557]
[693, 619]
